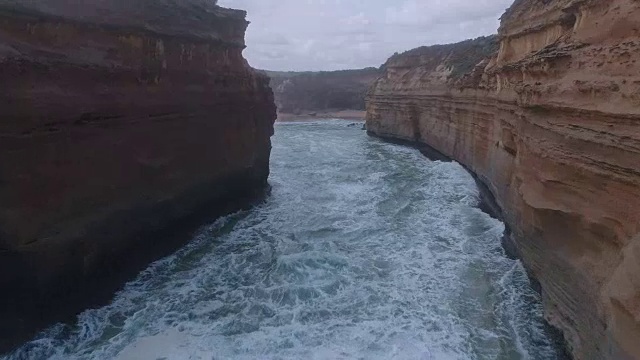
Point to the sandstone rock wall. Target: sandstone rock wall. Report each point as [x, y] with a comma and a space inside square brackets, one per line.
[118, 120]
[551, 123]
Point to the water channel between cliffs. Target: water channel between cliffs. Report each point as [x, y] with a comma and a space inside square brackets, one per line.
[364, 250]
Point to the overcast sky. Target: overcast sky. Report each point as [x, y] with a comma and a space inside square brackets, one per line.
[345, 34]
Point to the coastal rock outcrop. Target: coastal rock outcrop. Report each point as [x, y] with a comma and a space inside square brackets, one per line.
[304, 93]
[547, 115]
[119, 120]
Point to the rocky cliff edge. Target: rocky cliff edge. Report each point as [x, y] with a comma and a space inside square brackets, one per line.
[119, 120]
[549, 120]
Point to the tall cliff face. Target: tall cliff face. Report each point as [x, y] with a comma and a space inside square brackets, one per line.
[551, 123]
[118, 120]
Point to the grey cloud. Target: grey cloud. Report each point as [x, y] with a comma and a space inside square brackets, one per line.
[274, 39]
[338, 34]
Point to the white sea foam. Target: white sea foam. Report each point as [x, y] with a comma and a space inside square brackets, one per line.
[365, 250]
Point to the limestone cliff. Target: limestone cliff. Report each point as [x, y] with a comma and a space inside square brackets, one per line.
[118, 120]
[324, 91]
[550, 122]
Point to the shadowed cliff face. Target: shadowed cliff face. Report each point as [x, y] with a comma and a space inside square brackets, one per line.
[551, 123]
[300, 93]
[118, 119]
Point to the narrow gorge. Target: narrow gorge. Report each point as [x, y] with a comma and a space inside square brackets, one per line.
[547, 115]
[120, 123]
[152, 208]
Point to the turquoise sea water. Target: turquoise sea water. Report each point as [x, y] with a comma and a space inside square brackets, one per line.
[364, 250]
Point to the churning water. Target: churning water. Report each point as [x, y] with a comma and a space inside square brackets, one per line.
[364, 250]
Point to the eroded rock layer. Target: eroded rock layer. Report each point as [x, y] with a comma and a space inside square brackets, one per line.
[550, 121]
[117, 119]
